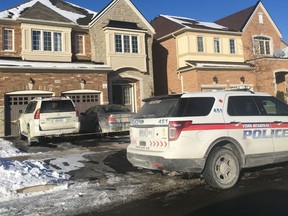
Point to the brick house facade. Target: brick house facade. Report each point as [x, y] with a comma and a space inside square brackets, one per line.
[45, 52]
[198, 56]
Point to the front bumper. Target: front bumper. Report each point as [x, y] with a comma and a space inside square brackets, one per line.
[160, 163]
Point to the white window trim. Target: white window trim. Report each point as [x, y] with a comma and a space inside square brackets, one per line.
[13, 40]
[235, 46]
[203, 43]
[83, 44]
[270, 45]
[42, 41]
[219, 40]
[130, 43]
[260, 18]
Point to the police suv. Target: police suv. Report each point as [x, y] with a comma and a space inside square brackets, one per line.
[215, 134]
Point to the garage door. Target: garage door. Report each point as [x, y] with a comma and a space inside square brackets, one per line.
[84, 101]
[13, 105]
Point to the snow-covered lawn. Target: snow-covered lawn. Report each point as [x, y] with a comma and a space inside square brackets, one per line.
[24, 183]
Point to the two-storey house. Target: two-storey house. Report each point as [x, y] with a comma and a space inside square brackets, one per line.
[54, 48]
[237, 51]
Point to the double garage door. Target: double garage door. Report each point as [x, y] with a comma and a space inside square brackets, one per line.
[17, 102]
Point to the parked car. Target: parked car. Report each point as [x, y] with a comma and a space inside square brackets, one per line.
[53, 116]
[215, 134]
[106, 118]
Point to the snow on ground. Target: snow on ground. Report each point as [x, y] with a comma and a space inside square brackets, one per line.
[55, 194]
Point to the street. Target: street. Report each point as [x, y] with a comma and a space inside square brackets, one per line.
[106, 169]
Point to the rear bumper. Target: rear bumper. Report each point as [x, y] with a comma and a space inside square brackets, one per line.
[160, 163]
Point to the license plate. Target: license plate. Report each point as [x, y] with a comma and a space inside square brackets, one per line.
[142, 143]
[58, 120]
[143, 132]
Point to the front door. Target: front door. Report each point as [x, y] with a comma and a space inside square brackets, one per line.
[124, 94]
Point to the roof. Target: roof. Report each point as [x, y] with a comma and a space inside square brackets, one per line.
[122, 24]
[71, 12]
[167, 24]
[237, 21]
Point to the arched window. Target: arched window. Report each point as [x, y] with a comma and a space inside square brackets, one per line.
[261, 45]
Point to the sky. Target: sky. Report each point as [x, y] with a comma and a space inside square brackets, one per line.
[204, 10]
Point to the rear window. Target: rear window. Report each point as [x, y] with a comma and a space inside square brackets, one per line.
[157, 108]
[198, 106]
[57, 106]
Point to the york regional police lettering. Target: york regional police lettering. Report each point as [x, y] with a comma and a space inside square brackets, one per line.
[265, 133]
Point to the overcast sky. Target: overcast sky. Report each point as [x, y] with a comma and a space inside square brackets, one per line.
[204, 10]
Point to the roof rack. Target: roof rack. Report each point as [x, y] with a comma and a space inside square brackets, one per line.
[245, 89]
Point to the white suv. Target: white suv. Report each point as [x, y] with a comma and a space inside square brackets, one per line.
[52, 116]
[212, 133]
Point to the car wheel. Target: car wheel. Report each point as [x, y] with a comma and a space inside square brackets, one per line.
[21, 136]
[29, 140]
[222, 169]
[98, 127]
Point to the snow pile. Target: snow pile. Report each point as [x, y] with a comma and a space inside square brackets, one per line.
[16, 175]
[7, 150]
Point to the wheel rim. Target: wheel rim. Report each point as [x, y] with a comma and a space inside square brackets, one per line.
[226, 168]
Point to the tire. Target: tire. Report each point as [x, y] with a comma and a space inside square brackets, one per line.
[98, 127]
[21, 136]
[222, 169]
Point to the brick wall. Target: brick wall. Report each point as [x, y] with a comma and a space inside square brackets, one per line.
[54, 82]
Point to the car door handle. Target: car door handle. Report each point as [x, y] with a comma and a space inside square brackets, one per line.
[235, 123]
[277, 122]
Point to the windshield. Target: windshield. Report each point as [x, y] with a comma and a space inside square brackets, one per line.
[156, 108]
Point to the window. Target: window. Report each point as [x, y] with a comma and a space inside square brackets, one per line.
[272, 106]
[242, 106]
[134, 44]
[126, 43]
[36, 40]
[57, 41]
[217, 45]
[80, 44]
[232, 46]
[43, 40]
[200, 44]
[118, 43]
[8, 39]
[260, 16]
[126, 95]
[261, 45]
[47, 41]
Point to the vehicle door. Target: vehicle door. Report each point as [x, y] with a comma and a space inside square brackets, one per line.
[277, 112]
[57, 114]
[27, 116]
[249, 128]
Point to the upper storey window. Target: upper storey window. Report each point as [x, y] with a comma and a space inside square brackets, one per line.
[126, 43]
[46, 40]
[262, 45]
[8, 39]
[80, 46]
[217, 45]
[200, 44]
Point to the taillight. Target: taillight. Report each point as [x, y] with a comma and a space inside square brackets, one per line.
[111, 119]
[37, 114]
[176, 127]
